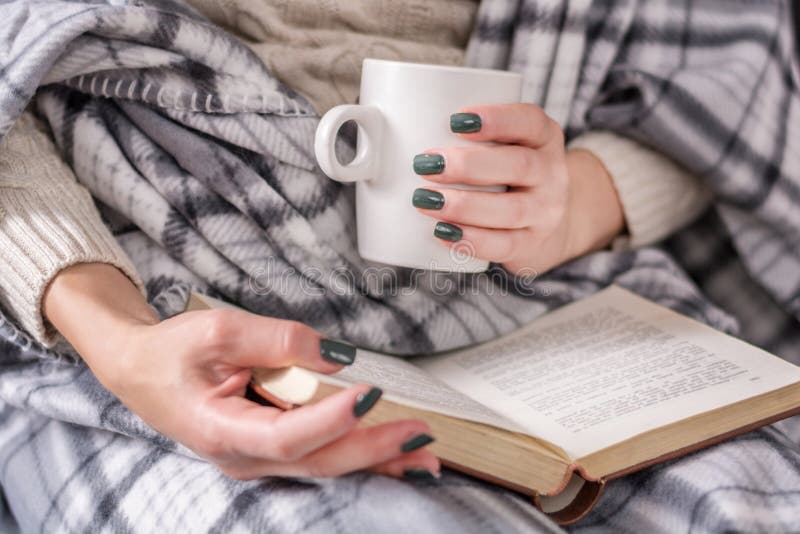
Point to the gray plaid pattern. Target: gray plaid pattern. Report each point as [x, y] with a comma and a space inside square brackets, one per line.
[201, 162]
[712, 84]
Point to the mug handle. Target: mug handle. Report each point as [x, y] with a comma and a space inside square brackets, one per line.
[370, 129]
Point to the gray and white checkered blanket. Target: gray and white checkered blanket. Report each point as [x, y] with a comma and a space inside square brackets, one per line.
[202, 163]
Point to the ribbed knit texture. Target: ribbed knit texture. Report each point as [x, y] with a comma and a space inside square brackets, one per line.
[317, 47]
[47, 222]
[658, 196]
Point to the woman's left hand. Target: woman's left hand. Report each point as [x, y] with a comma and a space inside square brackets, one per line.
[559, 205]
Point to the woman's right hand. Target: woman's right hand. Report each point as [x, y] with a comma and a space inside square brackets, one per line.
[186, 377]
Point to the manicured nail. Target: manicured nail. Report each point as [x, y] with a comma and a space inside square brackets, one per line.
[417, 442]
[365, 401]
[427, 199]
[428, 164]
[447, 231]
[337, 352]
[419, 473]
[465, 122]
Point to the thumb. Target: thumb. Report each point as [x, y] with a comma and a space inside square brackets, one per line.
[249, 340]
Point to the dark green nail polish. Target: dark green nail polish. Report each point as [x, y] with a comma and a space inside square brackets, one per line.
[418, 474]
[427, 199]
[337, 352]
[417, 442]
[465, 122]
[366, 401]
[447, 231]
[428, 164]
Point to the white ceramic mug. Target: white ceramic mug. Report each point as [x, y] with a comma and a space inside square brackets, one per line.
[404, 110]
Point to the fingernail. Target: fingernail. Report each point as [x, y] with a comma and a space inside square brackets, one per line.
[427, 199]
[465, 122]
[419, 473]
[337, 352]
[417, 442]
[365, 401]
[428, 164]
[447, 231]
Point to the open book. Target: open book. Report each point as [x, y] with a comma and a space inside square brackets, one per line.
[589, 392]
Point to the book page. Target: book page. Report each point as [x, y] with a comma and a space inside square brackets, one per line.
[406, 384]
[602, 370]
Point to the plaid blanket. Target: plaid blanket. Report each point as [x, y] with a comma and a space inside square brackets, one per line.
[712, 84]
[201, 162]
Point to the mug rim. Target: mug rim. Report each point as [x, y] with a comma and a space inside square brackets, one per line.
[450, 68]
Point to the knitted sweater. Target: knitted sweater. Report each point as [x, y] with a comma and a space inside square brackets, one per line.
[317, 47]
[48, 222]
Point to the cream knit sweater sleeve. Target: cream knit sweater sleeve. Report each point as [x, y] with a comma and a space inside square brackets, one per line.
[47, 222]
[658, 195]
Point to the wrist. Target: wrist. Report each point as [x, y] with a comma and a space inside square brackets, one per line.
[595, 210]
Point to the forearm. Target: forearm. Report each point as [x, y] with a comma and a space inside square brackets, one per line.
[94, 306]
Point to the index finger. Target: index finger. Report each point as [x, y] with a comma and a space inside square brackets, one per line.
[521, 124]
[257, 432]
